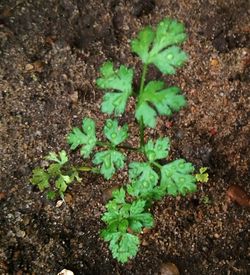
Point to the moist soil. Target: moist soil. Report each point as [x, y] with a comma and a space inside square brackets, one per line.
[50, 54]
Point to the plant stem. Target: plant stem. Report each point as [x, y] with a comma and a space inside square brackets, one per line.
[84, 169]
[127, 147]
[157, 164]
[103, 144]
[143, 77]
[142, 126]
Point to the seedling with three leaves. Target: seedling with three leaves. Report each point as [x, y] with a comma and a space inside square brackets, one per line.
[128, 212]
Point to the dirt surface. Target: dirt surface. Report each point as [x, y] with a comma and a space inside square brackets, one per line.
[50, 53]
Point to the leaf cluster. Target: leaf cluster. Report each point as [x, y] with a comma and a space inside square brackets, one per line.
[55, 173]
[127, 213]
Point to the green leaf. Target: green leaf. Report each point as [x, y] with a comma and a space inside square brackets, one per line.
[142, 172]
[120, 81]
[62, 157]
[85, 139]
[40, 178]
[51, 195]
[118, 195]
[54, 169]
[138, 218]
[146, 190]
[110, 160]
[202, 176]
[157, 150]
[160, 47]
[177, 177]
[114, 133]
[62, 183]
[123, 246]
[155, 98]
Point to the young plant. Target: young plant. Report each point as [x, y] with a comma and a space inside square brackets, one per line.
[127, 213]
[42, 177]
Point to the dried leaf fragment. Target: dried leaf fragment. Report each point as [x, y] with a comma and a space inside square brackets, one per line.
[237, 194]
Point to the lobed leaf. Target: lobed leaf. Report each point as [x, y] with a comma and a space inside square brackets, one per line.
[120, 81]
[86, 138]
[142, 172]
[177, 177]
[40, 178]
[157, 150]
[155, 98]
[159, 47]
[54, 157]
[114, 133]
[123, 246]
[110, 160]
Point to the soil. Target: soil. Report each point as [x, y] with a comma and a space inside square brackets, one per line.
[50, 54]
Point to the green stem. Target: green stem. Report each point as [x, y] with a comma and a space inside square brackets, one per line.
[142, 126]
[143, 77]
[84, 169]
[157, 164]
[127, 147]
[103, 144]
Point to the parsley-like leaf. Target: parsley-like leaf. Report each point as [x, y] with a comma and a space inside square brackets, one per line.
[157, 150]
[120, 81]
[114, 133]
[110, 160]
[62, 157]
[160, 47]
[143, 172]
[120, 217]
[122, 245]
[44, 178]
[40, 178]
[154, 98]
[177, 177]
[85, 139]
[144, 182]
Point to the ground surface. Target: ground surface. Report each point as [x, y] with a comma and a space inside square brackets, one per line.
[50, 52]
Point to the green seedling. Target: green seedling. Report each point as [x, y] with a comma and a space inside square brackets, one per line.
[128, 212]
[56, 178]
[202, 176]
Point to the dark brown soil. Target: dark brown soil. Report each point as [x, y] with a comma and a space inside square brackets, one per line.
[50, 55]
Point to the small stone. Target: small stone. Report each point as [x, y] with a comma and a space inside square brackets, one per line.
[169, 269]
[144, 243]
[65, 272]
[68, 198]
[29, 67]
[59, 203]
[2, 195]
[216, 235]
[74, 97]
[214, 62]
[20, 234]
[26, 220]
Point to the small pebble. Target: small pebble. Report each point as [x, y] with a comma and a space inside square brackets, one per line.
[169, 269]
[65, 272]
[29, 67]
[68, 198]
[2, 195]
[74, 97]
[59, 203]
[20, 234]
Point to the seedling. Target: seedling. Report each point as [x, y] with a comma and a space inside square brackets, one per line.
[128, 212]
[56, 178]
